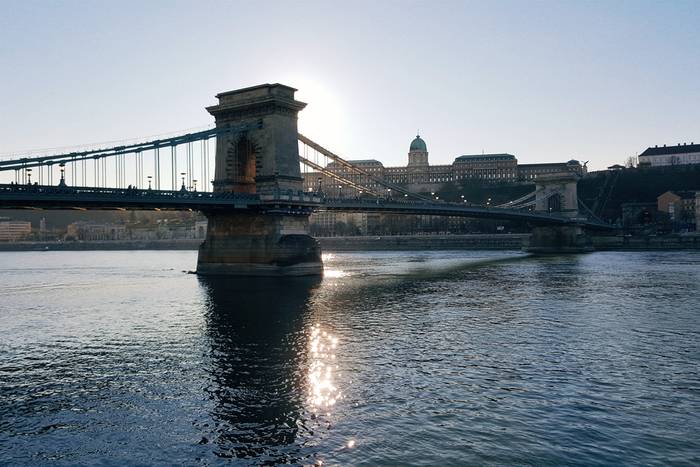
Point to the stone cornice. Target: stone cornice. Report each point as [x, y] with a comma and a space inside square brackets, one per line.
[256, 106]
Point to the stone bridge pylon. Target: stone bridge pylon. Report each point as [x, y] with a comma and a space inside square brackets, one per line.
[260, 156]
[558, 194]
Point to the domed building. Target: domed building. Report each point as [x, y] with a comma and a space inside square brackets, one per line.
[421, 177]
[418, 153]
[417, 177]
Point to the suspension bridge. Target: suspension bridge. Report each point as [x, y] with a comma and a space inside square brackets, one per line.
[245, 175]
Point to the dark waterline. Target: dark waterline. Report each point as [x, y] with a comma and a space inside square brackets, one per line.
[455, 358]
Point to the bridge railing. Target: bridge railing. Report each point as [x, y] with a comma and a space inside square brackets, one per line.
[35, 190]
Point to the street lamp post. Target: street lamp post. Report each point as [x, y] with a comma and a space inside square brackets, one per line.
[149, 181]
[183, 188]
[62, 181]
[194, 182]
[29, 176]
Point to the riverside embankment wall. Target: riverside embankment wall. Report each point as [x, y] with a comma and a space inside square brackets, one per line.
[385, 242]
[665, 242]
[424, 242]
[112, 245]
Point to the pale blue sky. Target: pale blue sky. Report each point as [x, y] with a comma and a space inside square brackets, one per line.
[546, 81]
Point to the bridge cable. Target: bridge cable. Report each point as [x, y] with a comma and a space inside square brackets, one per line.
[348, 165]
[518, 200]
[333, 175]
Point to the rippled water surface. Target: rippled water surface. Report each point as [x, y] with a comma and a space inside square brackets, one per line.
[452, 358]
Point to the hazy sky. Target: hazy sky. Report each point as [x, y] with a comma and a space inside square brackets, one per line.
[546, 81]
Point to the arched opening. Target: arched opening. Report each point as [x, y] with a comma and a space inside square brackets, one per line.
[644, 217]
[554, 203]
[241, 165]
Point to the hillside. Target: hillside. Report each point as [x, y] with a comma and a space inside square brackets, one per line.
[605, 191]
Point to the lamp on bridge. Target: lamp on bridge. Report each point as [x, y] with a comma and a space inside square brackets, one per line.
[62, 167]
[149, 181]
[183, 188]
[194, 183]
[29, 176]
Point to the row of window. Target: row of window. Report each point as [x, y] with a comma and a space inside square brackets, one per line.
[680, 159]
[399, 175]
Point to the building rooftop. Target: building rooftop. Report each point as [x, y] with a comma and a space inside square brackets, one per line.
[685, 194]
[485, 157]
[668, 150]
[544, 164]
[358, 162]
[365, 161]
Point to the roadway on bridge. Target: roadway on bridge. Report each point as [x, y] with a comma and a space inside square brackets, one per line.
[14, 196]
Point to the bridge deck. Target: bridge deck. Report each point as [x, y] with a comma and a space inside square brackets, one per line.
[15, 196]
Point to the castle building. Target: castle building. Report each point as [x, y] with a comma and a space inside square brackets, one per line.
[527, 172]
[495, 168]
[421, 177]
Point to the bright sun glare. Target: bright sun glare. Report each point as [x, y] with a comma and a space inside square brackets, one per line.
[322, 119]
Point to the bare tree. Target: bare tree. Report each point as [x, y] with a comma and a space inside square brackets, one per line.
[631, 162]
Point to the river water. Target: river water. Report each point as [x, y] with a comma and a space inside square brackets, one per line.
[396, 358]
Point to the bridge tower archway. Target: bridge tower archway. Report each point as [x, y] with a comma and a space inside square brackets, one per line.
[557, 193]
[262, 155]
[554, 203]
[241, 158]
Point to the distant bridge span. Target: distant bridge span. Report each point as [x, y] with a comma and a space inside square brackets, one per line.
[427, 208]
[89, 198]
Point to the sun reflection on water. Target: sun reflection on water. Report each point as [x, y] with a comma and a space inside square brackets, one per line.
[334, 273]
[323, 393]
